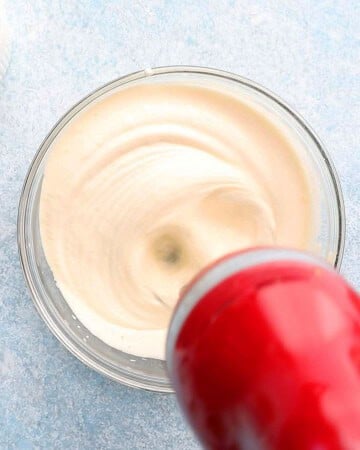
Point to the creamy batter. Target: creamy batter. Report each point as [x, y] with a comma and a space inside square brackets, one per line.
[150, 184]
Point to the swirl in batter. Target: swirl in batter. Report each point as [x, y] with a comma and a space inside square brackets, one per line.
[151, 183]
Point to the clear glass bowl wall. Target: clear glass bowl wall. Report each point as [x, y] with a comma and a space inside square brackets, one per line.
[129, 369]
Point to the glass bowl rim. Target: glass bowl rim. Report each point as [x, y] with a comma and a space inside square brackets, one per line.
[87, 357]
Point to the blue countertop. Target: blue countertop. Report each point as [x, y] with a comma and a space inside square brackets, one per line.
[307, 52]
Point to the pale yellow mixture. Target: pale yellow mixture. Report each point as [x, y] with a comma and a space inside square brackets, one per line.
[150, 184]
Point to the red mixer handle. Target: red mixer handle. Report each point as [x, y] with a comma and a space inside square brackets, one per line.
[264, 354]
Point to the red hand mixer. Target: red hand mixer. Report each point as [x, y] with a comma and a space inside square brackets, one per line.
[264, 354]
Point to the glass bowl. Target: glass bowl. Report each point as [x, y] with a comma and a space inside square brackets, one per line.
[122, 367]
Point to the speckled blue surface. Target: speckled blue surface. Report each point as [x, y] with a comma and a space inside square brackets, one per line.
[306, 51]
